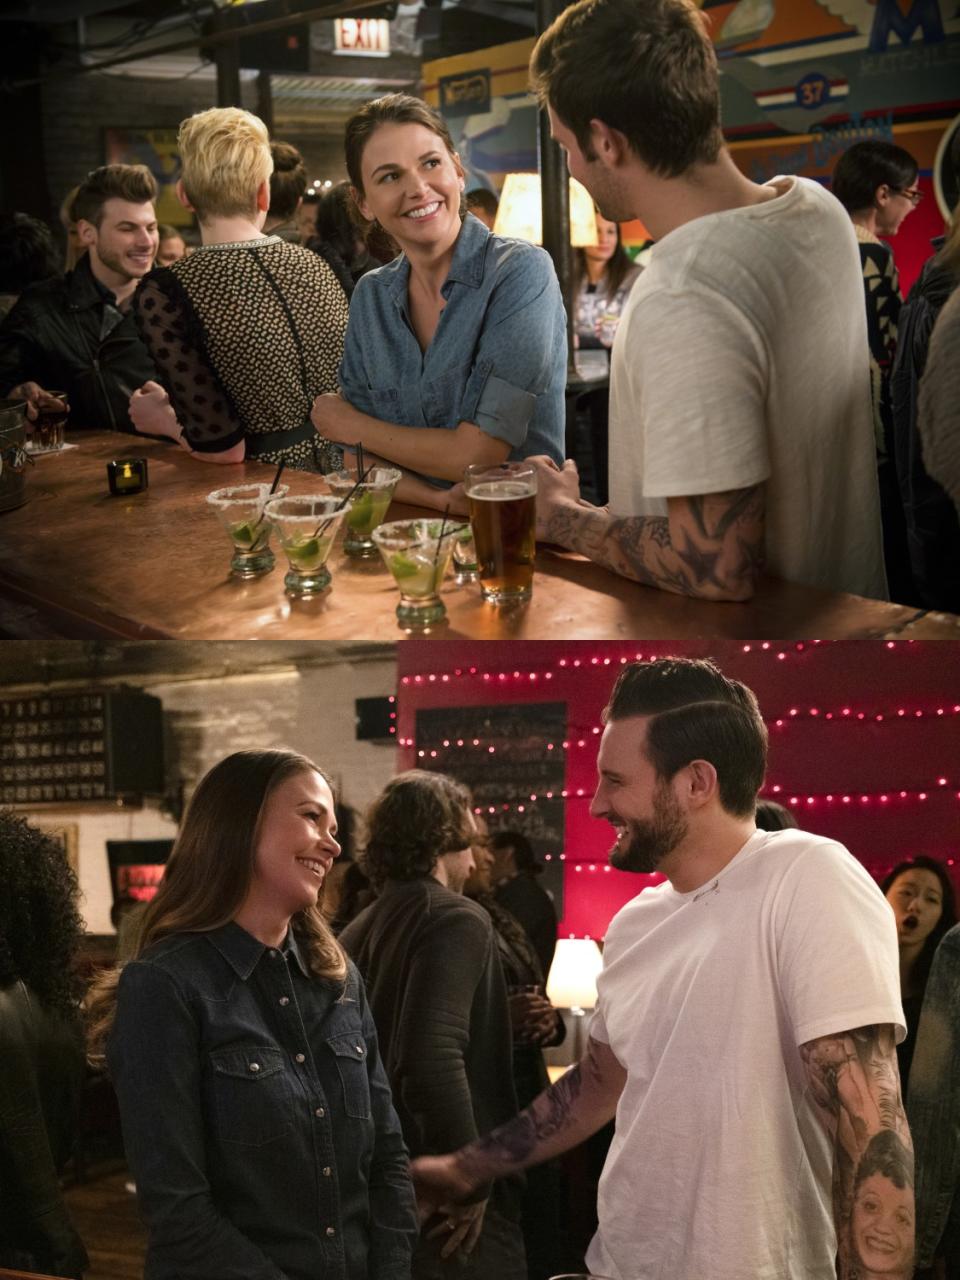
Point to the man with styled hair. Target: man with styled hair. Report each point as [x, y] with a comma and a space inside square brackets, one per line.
[430, 963]
[76, 332]
[748, 1011]
[741, 435]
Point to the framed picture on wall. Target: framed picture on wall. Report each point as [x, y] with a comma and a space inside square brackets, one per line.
[157, 149]
[66, 834]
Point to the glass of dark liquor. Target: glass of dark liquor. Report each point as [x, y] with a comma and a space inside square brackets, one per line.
[51, 423]
[503, 508]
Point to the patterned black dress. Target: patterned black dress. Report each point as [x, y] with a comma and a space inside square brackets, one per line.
[244, 336]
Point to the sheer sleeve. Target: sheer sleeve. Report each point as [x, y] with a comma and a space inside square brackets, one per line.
[174, 339]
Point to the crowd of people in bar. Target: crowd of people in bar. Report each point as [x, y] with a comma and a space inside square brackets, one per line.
[763, 416]
[352, 1085]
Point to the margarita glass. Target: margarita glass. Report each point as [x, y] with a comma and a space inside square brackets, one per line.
[306, 526]
[417, 557]
[240, 510]
[367, 508]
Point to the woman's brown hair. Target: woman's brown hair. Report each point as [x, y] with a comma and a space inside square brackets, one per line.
[209, 873]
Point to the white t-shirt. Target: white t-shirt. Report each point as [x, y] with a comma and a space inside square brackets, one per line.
[742, 357]
[720, 1168]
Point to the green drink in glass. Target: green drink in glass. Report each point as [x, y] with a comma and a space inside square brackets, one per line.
[417, 557]
[368, 506]
[240, 511]
[306, 526]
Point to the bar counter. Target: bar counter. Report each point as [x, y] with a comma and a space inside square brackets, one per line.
[154, 565]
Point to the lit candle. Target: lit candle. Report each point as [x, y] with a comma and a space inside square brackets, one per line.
[127, 475]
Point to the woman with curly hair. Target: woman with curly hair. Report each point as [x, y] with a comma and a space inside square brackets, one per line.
[256, 1113]
[42, 1061]
[429, 958]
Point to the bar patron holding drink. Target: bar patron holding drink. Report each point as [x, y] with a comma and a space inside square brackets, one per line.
[455, 352]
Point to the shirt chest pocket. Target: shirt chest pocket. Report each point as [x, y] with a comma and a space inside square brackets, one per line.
[442, 396]
[252, 1098]
[350, 1055]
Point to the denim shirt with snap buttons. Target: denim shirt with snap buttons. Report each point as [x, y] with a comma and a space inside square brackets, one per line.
[498, 357]
[257, 1116]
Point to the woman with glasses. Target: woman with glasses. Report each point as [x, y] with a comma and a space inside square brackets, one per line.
[876, 182]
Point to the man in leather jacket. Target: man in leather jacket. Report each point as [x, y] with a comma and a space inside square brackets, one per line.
[76, 333]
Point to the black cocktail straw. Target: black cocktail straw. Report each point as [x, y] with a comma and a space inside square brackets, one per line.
[360, 466]
[273, 490]
[436, 554]
[343, 501]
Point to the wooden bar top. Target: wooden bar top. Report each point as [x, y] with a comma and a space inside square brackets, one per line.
[155, 565]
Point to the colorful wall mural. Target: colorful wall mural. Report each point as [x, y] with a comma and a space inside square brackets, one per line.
[801, 80]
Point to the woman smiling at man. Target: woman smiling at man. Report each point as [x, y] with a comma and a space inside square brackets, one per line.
[455, 351]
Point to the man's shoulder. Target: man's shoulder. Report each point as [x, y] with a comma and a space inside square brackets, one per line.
[44, 296]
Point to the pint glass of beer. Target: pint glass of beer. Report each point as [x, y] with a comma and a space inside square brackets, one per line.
[503, 500]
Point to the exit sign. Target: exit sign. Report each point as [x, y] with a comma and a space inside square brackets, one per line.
[368, 37]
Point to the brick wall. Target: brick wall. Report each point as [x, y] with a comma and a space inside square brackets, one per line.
[310, 711]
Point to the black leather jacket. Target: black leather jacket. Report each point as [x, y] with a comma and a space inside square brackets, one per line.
[68, 334]
[41, 1072]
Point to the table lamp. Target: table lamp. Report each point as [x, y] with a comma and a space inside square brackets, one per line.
[520, 212]
[572, 983]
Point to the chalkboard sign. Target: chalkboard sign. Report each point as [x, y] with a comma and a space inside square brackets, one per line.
[80, 746]
[506, 754]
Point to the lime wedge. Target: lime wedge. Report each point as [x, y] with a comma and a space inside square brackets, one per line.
[402, 566]
[304, 552]
[358, 517]
[243, 534]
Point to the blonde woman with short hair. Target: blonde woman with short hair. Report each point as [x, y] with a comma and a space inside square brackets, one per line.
[248, 329]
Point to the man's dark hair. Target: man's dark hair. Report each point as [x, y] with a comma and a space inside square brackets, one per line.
[416, 818]
[696, 713]
[772, 816]
[27, 252]
[648, 70]
[481, 198]
[886, 1154]
[868, 165]
[133, 182]
[524, 858]
[288, 181]
[40, 925]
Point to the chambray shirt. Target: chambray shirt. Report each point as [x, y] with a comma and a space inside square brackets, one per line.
[257, 1117]
[498, 358]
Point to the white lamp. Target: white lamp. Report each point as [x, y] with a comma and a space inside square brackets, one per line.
[572, 983]
[520, 212]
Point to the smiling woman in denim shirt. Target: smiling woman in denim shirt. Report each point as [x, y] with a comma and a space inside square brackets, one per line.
[455, 351]
[257, 1117]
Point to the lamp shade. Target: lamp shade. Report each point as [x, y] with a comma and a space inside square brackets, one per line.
[520, 214]
[572, 983]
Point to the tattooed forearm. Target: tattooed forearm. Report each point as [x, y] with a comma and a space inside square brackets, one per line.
[565, 1114]
[710, 546]
[855, 1087]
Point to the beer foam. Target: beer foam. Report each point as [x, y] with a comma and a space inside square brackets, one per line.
[502, 490]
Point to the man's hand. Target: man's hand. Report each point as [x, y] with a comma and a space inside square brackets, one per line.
[152, 413]
[335, 419]
[36, 398]
[532, 1017]
[460, 1225]
[440, 1181]
[557, 488]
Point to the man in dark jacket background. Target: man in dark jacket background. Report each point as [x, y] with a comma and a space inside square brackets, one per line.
[76, 333]
[429, 959]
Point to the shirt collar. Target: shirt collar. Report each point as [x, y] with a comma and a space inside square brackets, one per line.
[243, 952]
[85, 289]
[469, 256]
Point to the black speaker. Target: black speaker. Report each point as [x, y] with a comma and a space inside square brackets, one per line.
[134, 743]
[376, 719]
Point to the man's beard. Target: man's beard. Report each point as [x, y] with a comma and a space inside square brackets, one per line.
[650, 840]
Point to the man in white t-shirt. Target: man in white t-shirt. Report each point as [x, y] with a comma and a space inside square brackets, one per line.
[745, 1033]
[741, 434]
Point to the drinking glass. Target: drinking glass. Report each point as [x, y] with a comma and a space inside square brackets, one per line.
[418, 557]
[368, 506]
[306, 526]
[465, 568]
[51, 424]
[240, 510]
[503, 509]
